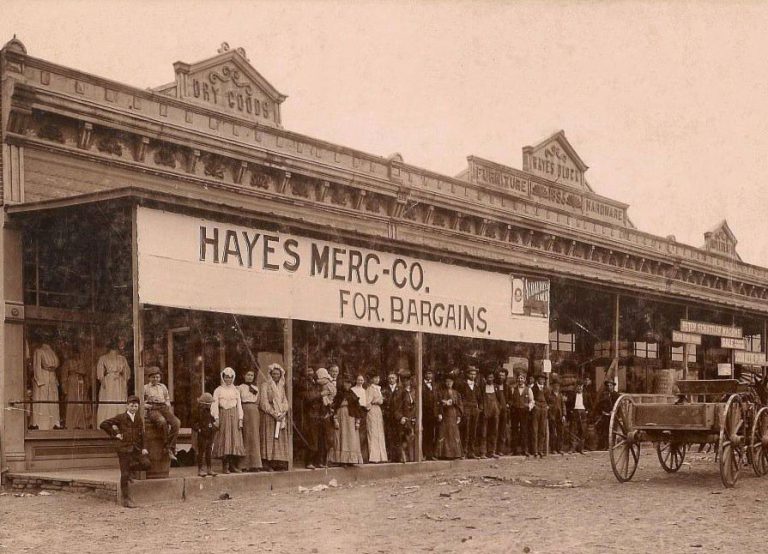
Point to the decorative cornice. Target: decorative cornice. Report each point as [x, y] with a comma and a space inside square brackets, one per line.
[606, 253]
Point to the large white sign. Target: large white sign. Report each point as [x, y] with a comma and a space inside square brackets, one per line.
[193, 263]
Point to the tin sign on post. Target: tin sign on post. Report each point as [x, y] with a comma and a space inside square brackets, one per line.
[686, 338]
[546, 366]
[749, 358]
[735, 344]
[724, 370]
[713, 329]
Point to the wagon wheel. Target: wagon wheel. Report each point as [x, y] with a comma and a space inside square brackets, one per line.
[758, 444]
[730, 448]
[623, 445]
[671, 454]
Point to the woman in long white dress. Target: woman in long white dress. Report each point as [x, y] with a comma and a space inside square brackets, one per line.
[112, 371]
[274, 407]
[377, 448]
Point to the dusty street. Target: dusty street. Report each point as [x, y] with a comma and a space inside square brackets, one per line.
[559, 504]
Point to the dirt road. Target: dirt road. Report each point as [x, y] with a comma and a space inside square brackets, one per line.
[567, 504]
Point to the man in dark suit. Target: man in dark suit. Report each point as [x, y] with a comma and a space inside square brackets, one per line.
[429, 415]
[577, 404]
[128, 429]
[540, 421]
[391, 434]
[606, 400]
[471, 391]
[404, 403]
[503, 446]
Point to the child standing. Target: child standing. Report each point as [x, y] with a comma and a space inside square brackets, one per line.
[128, 428]
[203, 425]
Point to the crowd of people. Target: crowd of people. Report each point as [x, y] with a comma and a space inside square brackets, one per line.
[348, 420]
[352, 419]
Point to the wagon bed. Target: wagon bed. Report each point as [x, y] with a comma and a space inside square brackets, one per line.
[735, 422]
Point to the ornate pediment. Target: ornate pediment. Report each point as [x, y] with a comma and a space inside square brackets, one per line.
[555, 159]
[227, 83]
[721, 240]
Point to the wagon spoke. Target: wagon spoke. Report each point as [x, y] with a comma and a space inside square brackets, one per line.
[626, 462]
[620, 444]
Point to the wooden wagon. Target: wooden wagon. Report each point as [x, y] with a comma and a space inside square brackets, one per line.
[736, 423]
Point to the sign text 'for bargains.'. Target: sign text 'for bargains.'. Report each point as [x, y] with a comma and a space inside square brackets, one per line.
[193, 263]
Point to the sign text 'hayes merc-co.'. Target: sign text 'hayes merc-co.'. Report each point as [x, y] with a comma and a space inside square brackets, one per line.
[194, 263]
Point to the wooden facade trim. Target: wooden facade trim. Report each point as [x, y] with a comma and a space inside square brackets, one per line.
[291, 173]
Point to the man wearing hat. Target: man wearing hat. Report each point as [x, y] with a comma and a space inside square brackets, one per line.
[405, 418]
[489, 426]
[429, 414]
[128, 428]
[608, 397]
[158, 404]
[539, 414]
[472, 400]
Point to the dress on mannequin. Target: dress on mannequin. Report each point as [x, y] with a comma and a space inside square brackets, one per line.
[45, 387]
[75, 383]
[112, 371]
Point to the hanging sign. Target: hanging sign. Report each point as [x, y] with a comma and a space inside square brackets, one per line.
[686, 338]
[724, 370]
[735, 344]
[193, 263]
[749, 358]
[713, 329]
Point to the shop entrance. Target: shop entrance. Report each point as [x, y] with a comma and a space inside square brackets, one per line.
[190, 367]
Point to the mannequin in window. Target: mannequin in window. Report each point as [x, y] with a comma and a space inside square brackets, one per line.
[74, 377]
[113, 372]
[45, 388]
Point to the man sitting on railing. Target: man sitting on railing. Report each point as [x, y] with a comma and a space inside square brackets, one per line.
[159, 414]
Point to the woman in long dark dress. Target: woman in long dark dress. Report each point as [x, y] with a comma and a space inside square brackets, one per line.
[449, 415]
[346, 419]
[249, 398]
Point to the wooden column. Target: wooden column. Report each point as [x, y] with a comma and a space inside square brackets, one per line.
[419, 348]
[764, 343]
[685, 352]
[616, 316]
[138, 368]
[288, 366]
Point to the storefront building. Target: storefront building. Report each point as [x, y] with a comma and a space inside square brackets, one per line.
[185, 227]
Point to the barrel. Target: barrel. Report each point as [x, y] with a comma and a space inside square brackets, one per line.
[664, 381]
[158, 453]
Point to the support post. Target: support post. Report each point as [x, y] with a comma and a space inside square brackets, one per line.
[288, 363]
[138, 366]
[616, 316]
[685, 352]
[418, 345]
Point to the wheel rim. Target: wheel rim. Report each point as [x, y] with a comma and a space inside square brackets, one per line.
[731, 440]
[758, 442]
[671, 455]
[624, 449]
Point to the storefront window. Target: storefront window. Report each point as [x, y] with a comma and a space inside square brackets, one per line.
[678, 353]
[562, 342]
[78, 297]
[647, 350]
